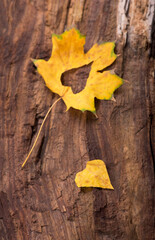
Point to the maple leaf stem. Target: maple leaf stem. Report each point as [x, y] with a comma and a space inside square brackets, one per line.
[40, 131]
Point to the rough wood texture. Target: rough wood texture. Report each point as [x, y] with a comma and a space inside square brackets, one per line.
[42, 201]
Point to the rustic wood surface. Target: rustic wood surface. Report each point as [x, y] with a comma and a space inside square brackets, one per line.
[42, 202]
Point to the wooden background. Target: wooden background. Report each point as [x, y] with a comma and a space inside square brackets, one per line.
[42, 202]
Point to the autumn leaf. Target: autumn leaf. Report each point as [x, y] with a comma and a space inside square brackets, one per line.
[94, 175]
[68, 53]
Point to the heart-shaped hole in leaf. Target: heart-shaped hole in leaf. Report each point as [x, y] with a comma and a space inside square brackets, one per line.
[76, 78]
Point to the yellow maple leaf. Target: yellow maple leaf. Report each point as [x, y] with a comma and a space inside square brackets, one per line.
[68, 53]
[94, 175]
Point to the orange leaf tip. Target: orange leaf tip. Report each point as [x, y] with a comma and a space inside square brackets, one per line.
[113, 99]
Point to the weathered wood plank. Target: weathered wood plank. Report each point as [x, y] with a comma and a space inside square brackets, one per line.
[42, 201]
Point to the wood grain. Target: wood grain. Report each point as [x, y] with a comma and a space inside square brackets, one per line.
[42, 201]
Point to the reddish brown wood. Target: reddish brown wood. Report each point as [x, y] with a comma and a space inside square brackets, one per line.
[42, 201]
